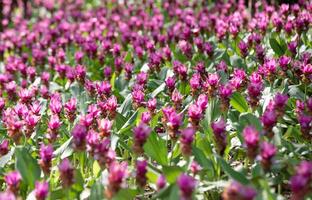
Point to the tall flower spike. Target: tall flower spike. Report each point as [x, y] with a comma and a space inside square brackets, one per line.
[66, 173]
[141, 170]
[251, 137]
[267, 152]
[41, 190]
[13, 180]
[219, 131]
[186, 139]
[140, 134]
[46, 155]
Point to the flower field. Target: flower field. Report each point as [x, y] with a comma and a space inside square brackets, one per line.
[164, 99]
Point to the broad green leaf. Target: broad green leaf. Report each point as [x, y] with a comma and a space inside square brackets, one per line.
[155, 147]
[125, 194]
[158, 90]
[239, 102]
[97, 191]
[27, 166]
[277, 48]
[232, 173]
[203, 160]
[169, 193]
[172, 173]
[63, 147]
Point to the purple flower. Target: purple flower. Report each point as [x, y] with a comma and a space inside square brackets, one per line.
[251, 137]
[284, 61]
[66, 173]
[195, 114]
[186, 139]
[79, 134]
[46, 155]
[4, 147]
[170, 83]
[13, 180]
[140, 134]
[146, 117]
[238, 191]
[105, 126]
[7, 195]
[118, 173]
[41, 190]
[70, 109]
[219, 131]
[243, 47]
[269, 119]
[141, 170]
[151, 104]
[161, 182]
[186, 185]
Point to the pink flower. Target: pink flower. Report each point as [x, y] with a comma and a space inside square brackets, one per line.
[161, 182]
[141, 170]
[13, 180]
[41, 190]
[66, 173]
[186, 185]
[186, 139]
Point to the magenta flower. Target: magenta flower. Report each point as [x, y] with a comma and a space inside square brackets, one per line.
[141, 170]
[151, 104]
[186, 185]
[243, 47]
[219, 131]
[41, 190]
[66, 173]
[146, 117]
[56, 104]
[46, 155]
[186, 139]
[105, 126]
[269, 120]
[195, 114]
[195, 167]
[251, 137]
[140, 134]
[79, 134]
[267, 152]
[4, 147]
[118, 173]
[238, 191]
[13, 180]
[70, 109]
[161, 182]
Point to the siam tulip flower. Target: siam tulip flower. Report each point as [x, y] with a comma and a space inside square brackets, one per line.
[267, 152]
[141, 170]
[269, 119]
[177, 98]
[142, 78]
[21, 110]
[2, 104]
[41, 190]
[35, 108]
[170, 83]
[45, 78]
[107, 71]
[254, 90]
[25, 95]
[195, 113]
[200, 69]
[140, 135]
[300, 106]
[186, 48]
[138, 98]
[103, 88]
[105, 126]
[151, 105]
[128, 69]
[219, 131]
[44, 92]
[11, 90]
[222, 66]
[46, 155]
[186, 139]
[284, 62]
[202, 102]
[186, 185]
[56, 104]
[309, 104]
[251, 137]
[14, 128]
[93, 139]
[173, 121]
[300, 183]
[195, 83]
[13, 180]
[31, 121]
[243, 47]
[238, 191]
[101, 150]
[70, 109]
[111, 106]
[117, 175]
[80, 74]
[260, 53]
[195, 167]
[161, 182]
[280, 102]
[208, 48]
[225, 92]
[79, 56]
[305, 122]
[292, 47]
[7, 195]
[4, 147]
[146, 117]
[54, 124]
[66, 173]
[79, 134]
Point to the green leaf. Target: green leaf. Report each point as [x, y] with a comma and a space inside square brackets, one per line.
[239, 102]
[202, 160]
[97, 191]
[125, 194]
[158, 90]
[232, 173]
[172, 173]
[63, 148]
[246, 119]
[212, 111]
[27, 166]
[277, 48]
[169, 193]
[155, 147]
